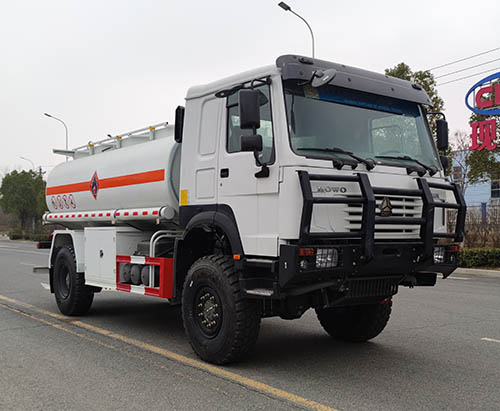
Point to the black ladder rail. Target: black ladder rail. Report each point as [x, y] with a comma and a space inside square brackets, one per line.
[367, 199]
[460, 205]
[427, 227]
[368, 217]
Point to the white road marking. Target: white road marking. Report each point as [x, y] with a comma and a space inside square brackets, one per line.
[490, 340]
[459, 278]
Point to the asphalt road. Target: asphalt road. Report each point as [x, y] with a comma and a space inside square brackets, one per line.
[441, 350]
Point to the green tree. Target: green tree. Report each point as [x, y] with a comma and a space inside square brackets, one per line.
[22, 194]
[458, 157]
[427, 81]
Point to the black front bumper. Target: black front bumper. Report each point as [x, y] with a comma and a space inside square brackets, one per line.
[389, 259]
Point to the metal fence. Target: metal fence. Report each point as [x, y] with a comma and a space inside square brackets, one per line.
[482, 225]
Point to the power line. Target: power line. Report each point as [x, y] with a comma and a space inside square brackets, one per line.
[465, 58]
[472, 75]
[467, 68]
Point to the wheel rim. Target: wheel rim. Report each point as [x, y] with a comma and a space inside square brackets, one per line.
[208, 311]
[64, 281]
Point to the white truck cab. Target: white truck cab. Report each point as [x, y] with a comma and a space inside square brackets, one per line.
[304, 184]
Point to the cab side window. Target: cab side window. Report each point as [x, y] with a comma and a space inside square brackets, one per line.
[234, 132]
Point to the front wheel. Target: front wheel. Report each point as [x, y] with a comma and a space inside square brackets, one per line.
[222, 326]
[357, 323]
[73, 297]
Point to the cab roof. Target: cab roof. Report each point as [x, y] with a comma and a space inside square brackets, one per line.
[302, 68]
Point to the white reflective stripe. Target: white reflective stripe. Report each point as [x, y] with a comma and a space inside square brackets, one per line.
[150, 213]
[137, 289]
[136, 259]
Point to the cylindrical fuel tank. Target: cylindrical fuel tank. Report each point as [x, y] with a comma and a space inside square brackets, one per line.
[136, 176]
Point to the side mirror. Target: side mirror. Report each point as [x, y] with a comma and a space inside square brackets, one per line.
[442, 134]
[249, 105]
[179, 123]
[445, 162]
[251, 143]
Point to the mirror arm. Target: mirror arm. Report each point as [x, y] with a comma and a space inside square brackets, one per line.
[227, 92]
[263, 173]
[265, 80]
[436, 113]
[264, 169]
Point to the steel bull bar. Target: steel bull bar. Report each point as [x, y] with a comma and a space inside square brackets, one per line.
[366, 254]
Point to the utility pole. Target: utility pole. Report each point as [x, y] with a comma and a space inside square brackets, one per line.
[286, 7]
[65, 127]
[27, 159]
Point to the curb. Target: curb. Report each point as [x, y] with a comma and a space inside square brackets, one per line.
[477, 272]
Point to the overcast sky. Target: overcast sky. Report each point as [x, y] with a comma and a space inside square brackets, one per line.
[114, 66]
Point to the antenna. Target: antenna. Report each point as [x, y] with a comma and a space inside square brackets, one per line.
[286, 7]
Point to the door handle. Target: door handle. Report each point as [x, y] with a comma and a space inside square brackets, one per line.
[224, 172]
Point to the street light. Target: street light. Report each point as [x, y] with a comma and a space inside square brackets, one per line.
[65, 126]
[286, 7]
[27, 159]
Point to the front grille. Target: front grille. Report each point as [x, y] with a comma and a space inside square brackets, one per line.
[402, 207]
[372, 287]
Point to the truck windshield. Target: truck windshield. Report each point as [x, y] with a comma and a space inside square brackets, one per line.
[363, 124]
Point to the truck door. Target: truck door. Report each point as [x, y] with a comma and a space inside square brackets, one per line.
[238, 186]
[199, 157]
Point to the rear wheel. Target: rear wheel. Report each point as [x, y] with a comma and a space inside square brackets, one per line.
[73, 297]
[222, 326]
[356, 323]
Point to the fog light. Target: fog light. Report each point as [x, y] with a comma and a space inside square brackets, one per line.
[303, 264]
[327, 257]
[439, 255]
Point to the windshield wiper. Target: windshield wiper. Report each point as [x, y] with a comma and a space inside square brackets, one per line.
[370, 164]
[430, 170]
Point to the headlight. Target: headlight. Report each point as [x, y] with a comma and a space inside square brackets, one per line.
[327, 257]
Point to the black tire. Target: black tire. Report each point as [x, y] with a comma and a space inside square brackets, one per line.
[73, 297]
[222, 326]
[356, 323]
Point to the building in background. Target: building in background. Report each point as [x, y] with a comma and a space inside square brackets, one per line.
[475, 194]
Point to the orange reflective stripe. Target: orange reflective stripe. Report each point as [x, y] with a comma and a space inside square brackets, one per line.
[120, 181]
[132, 179]
[68, 188]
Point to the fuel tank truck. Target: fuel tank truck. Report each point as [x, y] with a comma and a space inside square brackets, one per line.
[108, 186]
[305, 184]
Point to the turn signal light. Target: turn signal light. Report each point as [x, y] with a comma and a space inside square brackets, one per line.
[306, 252]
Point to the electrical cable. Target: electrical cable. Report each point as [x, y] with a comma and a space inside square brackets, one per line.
[472, 75]
[463, 59]
[467, 68]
